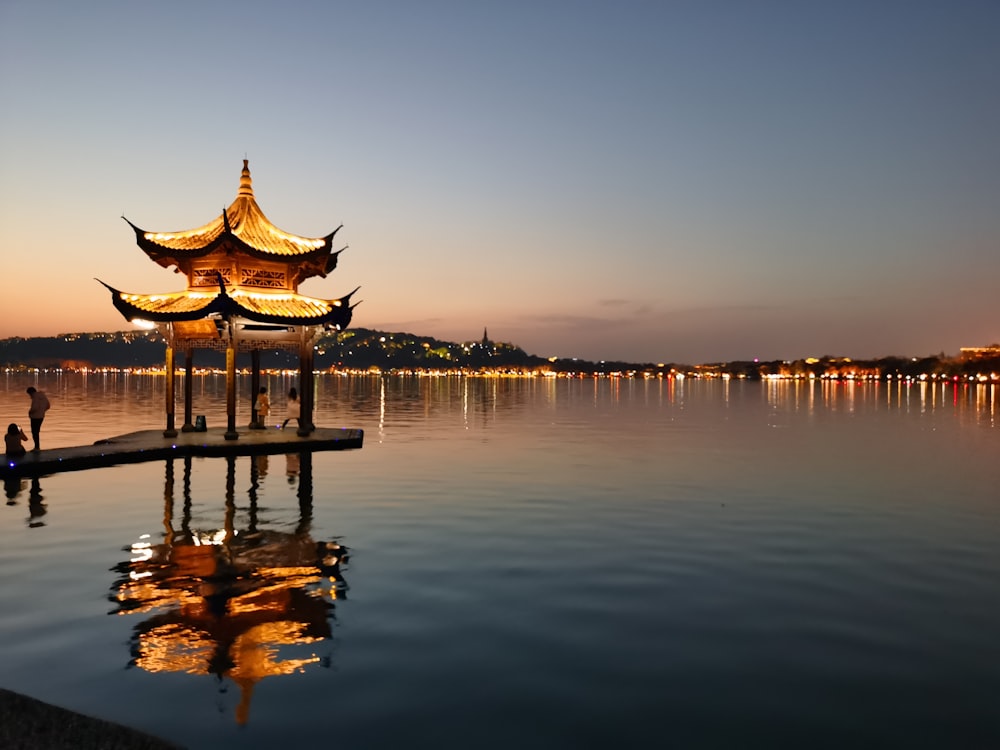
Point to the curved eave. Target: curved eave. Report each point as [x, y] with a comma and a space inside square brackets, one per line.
[206, 240]
[164, 308]
[167, 255]
[293, 309]
[279, 309]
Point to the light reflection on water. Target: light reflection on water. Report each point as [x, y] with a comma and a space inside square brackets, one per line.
[536, 563]
[232, 601]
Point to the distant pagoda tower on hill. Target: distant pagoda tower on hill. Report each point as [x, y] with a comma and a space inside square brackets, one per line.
[243, 275]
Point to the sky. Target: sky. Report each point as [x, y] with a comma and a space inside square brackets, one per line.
[690, 181]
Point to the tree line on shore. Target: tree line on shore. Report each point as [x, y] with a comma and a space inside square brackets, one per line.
[365, 349]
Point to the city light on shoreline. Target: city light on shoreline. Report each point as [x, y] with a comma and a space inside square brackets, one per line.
[715, 372]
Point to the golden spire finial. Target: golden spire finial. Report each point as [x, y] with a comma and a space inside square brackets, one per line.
[246, 186]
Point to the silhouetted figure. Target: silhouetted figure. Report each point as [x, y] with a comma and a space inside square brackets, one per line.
[36, 413]
[13, 441]
[293, 410]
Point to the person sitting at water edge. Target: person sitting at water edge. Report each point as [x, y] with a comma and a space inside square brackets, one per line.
[36, 413]
[12, 441]
[293, 410]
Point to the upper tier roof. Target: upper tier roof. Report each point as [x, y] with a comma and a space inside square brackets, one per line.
[246, 226]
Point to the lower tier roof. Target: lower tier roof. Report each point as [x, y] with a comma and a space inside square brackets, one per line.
[263, 307]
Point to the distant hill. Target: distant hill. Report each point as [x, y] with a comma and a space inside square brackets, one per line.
[76, 350]
[363, 349]
[356, 348]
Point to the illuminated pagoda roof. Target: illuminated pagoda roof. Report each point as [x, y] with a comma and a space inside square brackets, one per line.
[239, 266]
[241, 228]
[262, 307]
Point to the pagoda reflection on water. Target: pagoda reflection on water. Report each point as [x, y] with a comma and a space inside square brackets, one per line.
[239, 604]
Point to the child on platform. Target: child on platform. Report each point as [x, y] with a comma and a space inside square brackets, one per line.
[292, 411]
[263, 407]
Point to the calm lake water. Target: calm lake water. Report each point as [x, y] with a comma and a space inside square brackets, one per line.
[515, 563]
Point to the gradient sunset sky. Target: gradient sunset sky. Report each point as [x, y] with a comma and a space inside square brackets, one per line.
[649, 181]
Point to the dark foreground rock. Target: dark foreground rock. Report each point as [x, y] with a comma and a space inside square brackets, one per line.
[29, 724]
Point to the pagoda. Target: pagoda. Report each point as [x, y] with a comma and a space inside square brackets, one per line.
[243, 275]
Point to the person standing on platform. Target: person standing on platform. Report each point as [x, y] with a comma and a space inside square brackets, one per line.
[263, 407]
[292, 411]
[36, 413]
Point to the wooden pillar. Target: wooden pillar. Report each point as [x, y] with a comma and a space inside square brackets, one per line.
[254, 388]
[306, 387]
[231, 433]
[188, 425]
[170, 431]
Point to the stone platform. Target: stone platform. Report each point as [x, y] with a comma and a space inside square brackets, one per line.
[150, 445]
